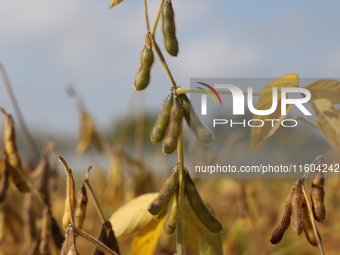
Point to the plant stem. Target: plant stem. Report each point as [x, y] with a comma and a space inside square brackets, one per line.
[180, 232]
[18, 113]
[146, 16]
[99, 210]
[222, 92]
[161, 57]
[157, 18]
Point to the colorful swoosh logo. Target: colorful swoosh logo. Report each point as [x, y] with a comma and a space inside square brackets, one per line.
[208, 92]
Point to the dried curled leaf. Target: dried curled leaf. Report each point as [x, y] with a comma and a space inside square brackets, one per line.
[108, 238]
[115, 2]
[88, 133]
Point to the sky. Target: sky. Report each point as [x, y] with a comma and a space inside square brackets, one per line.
[47, 45]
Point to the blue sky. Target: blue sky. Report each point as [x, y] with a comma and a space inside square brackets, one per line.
[46, 45]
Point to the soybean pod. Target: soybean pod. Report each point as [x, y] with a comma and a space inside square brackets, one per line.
[284, 221]
[317, 195]
[201, 211]
[170, 223]
[296, 208]
[175, 127]
[307, 224]
[203, 134]
[146, 60]
[163, 119]
[169, 29]
[169, 188]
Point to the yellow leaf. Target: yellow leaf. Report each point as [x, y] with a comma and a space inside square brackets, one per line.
[133, 216]
[115, 2]
[197, 238]
[328, 120]
[261, 134]
[325, 89]
[146, 240]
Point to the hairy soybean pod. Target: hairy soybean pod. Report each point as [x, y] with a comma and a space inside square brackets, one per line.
[317, 195]
[169, 188]
[163, 119]
[175, 127]
[201, 211]
[80, 211]
[70, 199]
[203, 134]
[307, 224]
[170, 223]
[296, 209]
[169, 29]
[146, 60]
[283, 223]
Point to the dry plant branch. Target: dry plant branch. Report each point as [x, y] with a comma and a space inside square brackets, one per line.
[94, 198]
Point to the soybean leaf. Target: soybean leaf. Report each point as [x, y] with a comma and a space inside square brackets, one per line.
[260, 134]
[146, 240]
[329, 89]
[133, 216]
[328, 120]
